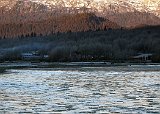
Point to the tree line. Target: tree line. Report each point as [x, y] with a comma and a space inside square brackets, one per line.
[98, 45]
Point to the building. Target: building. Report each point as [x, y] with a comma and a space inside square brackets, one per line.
[33, 56]
[143, 57]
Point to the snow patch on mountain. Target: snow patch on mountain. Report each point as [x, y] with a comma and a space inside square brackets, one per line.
[151, 6]
[100, 6]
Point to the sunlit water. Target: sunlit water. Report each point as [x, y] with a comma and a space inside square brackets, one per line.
[83, 90]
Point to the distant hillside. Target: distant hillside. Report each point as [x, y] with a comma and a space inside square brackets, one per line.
[63, 23]
[24, 18]
[20, 11]
[134, 19]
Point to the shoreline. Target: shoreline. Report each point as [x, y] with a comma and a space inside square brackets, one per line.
[32, 63]
[23, 64]
[82, 66]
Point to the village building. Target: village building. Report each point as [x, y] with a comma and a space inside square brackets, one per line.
[33, 56]
[143, 57]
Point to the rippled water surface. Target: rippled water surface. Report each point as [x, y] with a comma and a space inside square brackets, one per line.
[81, 90]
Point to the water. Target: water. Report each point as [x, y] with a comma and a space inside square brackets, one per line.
[133, 89]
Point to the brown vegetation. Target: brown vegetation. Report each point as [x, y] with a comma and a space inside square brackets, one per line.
[63, 23]
[134, 19]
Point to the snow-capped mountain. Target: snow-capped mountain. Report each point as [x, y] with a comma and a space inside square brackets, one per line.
[24, 10]
[43, 17]
[151, 6]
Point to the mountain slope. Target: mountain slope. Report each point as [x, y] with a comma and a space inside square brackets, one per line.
[24, 17]
[134, 19]
[22, 10]
[63, 23]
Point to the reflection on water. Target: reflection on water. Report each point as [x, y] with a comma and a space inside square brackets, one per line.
[83, 90]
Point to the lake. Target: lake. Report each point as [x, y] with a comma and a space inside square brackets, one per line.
[119, 89]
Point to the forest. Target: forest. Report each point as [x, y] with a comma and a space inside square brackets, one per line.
[117, 45]
[53, 24]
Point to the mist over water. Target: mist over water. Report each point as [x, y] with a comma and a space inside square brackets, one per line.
[81, 90]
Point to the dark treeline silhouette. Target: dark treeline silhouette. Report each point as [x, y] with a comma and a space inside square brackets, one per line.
[108, 44]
